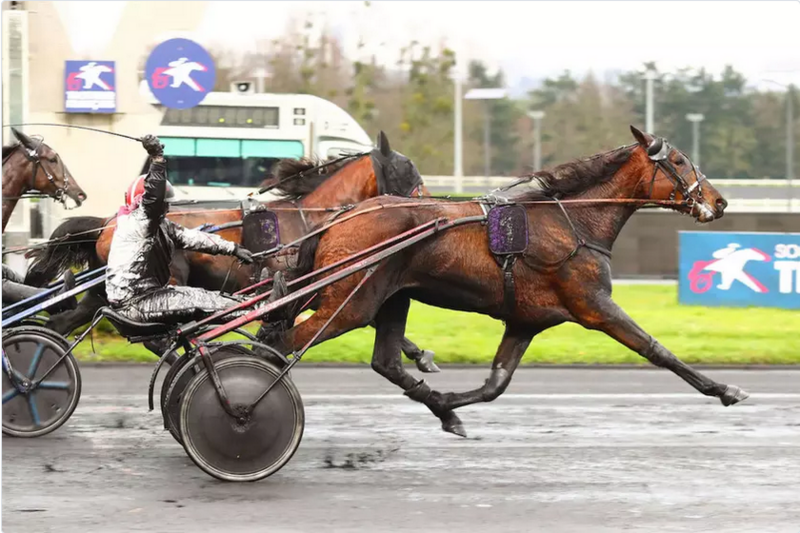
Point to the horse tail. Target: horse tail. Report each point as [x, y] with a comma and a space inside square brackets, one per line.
[305, 256]
[72, 244]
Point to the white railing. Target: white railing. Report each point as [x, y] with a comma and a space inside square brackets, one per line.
[774, 200]
[498, 181]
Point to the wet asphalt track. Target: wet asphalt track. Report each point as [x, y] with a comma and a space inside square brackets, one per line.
[562, 451]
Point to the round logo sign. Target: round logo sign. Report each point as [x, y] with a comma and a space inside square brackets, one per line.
[180, 73]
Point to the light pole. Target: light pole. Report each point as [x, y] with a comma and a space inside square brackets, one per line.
[790, 141]
[486, 94]
[789, 137]
[458, 143]
[649, 77]
[695, 119]
[537, 117]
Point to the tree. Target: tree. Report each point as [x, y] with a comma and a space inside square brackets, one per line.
[582, 117]
[426, 101]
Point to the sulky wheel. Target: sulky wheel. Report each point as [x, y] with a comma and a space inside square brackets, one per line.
[247, 449]
[33, 412]
[181, 373]
[179, 376]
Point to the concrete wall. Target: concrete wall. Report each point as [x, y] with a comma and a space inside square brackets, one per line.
[648, 244]
[102, 164]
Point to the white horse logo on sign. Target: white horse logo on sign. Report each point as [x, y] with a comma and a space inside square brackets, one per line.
[180, 72]
[730, 263]
[90, 74]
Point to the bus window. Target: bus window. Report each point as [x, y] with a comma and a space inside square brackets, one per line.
[218, 148]
[278, 149]
[224, 162]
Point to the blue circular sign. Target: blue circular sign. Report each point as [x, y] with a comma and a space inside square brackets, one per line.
[180, 73]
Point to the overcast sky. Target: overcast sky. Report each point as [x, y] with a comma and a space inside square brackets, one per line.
[533, 39]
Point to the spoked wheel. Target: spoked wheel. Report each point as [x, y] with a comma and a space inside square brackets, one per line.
[33, 412]
[242, 449]
[179, 376]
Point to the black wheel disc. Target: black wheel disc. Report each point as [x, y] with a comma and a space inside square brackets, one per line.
[179, 376]
[31, 351]
[234, 450]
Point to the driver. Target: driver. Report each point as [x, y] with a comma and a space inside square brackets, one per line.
[142, 248]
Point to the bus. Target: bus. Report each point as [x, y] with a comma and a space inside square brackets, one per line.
[226, 146]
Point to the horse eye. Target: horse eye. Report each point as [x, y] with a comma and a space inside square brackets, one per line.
[679, 160]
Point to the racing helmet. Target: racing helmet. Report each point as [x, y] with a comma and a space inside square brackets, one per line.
[133, 194]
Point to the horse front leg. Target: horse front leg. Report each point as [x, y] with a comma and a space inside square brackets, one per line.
[516, 340]
[422, 358]
[603, 314]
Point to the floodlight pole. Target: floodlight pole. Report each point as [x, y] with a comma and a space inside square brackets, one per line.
[649, 76]
[487, 94]
[487, 124]
[695, 119]
[458, 143]
[537, 117]
[789, 139]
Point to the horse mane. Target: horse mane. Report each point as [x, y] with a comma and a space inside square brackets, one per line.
[299, 186]
[8, 149]
[574, 177]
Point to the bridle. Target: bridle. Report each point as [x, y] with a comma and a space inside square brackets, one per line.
[658, 151]
[33, 156]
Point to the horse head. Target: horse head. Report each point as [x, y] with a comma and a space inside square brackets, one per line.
[669, 174]
[396, 174]
[49, 175]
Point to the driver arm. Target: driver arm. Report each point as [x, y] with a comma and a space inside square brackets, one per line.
[153, 202]
[198, 241]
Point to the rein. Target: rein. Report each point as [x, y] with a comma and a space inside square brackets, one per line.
[348, 207]
[32, 155]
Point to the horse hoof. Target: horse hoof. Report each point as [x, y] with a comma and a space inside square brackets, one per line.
[425, 363]
[452, 424]
[732, 395]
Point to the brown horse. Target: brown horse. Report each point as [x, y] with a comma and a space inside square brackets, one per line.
[562, 273]
[31, 166]
[306, 190]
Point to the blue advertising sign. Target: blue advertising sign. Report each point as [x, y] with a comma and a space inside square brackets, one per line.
[89, 87]
[740, 269]
[180, 73]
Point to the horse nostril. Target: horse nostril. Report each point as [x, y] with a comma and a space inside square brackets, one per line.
[721, 203]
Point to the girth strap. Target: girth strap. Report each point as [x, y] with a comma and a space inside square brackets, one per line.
[509, 288]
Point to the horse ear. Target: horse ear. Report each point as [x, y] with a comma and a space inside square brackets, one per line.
[644, 139]
[383, 145]
[26, 141]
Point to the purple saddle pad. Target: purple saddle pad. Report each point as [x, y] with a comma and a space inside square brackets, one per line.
[508, 229]
[260, 231]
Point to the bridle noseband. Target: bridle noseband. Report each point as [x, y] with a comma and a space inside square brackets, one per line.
[658, 151]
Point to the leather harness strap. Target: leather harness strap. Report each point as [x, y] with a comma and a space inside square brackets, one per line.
[509, 287]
